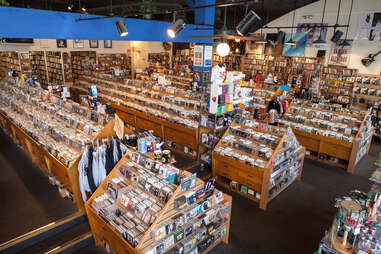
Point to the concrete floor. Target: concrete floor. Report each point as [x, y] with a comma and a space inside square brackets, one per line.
[294, 222]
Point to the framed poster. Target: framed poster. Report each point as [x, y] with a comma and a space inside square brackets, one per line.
[107, 44]
[198, 56]
[93, 44]
[78, 44]
[299, 47]
[340, 55]
[61, 43]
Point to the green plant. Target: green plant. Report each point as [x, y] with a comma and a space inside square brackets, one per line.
[3, 2]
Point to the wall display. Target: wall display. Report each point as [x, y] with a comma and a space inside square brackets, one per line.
[340, 55]
[299, 47]
[78, 44]
[369, 27]
[107, 43]
[93, 44]
[257, 160]
[137, 210]
[198, 55]
[61, 43]
[367, 90]
[314, 31]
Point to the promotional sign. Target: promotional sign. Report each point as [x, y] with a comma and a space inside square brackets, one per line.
[198, 52]
[208, 56]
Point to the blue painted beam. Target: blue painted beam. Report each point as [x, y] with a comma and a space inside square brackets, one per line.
[29, 23]
[204, 16]
[191, 3]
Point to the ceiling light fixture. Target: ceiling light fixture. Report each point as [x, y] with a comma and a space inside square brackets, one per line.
[346, 41]
[247, 24]
[237, 40]
[70, 7]
[337, 33]
[291, 42]
[121, 25]
[223, 49]
[320, 40]
[176, 28]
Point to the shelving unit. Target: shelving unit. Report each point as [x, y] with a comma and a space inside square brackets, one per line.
[257, 160]
[82, 61]
[159, 60]
[183, 59]
[39, 67]
[107, 63]
[339, 138]
[367, 90]
[131, 230]
[54, 67]
[336, 84]
[25, 63]
[232, 62]
[67, 68]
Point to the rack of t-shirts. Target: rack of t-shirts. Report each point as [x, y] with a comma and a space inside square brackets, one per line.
[277, 107]
[98, 159]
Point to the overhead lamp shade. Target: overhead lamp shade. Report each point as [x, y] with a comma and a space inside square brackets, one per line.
[319, 41]
[121, 25]
[176, 28]
[336, 36]
[247, 24]
[223, 49]
[290, 42]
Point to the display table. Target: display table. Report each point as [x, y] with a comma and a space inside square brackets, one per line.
[257, 160]
[163, 233]
[316, 129]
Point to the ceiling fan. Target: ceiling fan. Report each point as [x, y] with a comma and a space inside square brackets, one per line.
[366, 61]
[225, 34]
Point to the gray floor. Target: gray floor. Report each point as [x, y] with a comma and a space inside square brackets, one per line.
[294, 222]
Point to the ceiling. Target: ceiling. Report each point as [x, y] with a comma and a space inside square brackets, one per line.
[268, 10]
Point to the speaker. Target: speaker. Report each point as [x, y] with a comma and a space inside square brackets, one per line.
[247, 24]
[336, 36]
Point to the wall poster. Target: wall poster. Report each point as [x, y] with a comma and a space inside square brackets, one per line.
[313, 32]
[299, 47]
[369, 27]
[340, 54]
[198, 53]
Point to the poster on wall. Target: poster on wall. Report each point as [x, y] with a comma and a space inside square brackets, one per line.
[208, 56]
[369, 27]
[198, 52]
[313, 32]
[78, 44]
[340, 54]
[61, 43]
[299, 47]
[271, 48]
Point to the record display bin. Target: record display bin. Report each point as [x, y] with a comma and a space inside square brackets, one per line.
[340, 138]
[257, 160]
[147, 240]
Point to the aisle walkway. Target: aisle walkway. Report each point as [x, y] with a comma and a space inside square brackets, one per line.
[27, 200]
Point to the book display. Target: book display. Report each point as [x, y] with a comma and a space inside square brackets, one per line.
[330, 134]
[367, 90]
[173, 118]
[146, 207]
[114, 63]
[39, 67]
[257, 160]
[54, 68]
[336, 84]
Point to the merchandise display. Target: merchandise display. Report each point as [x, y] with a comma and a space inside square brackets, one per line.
[159, 60]
[82, 61]
[39, 67]
[367, 90]
[376, 119]
[257, 160]
[322, 128]
[118, 64]
[182, 61]
[54, 67]
[356, 226]
[146, 207]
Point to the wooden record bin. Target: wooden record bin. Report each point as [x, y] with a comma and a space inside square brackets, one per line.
[106, 235]
[347, 153]
[258, 180]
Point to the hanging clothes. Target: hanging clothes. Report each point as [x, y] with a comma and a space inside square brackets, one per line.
[82, 170]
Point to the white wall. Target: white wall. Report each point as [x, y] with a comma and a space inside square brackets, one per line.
[360, 49]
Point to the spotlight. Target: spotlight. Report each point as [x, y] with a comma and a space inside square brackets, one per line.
[336, 36]
[70, 7]
[247, 24]
[84, 9]
[121, 25]
[290, 42]
[223, 49]
[320, 40]
[176, 28]
[237, 40]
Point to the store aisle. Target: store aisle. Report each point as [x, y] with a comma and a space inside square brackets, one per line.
[27, 199]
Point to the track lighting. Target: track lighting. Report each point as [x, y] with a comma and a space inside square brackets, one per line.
[247, 24]
[121, 25]
[176, 28]
[290, 42]
[83, 9]
[320, 40]
[70, 7]
[336, 36]
[223, 49]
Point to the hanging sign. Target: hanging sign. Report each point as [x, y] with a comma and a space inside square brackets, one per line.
[208, 56]
[198, 55]
[119, 127]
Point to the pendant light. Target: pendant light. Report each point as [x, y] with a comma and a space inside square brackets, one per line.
[291, 42]
[263, 40]
[320, 40]
[121, 26]
[336, 32]
[346, 42]
[223, 48]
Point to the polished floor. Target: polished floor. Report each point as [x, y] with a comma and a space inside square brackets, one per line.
[293, 223]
